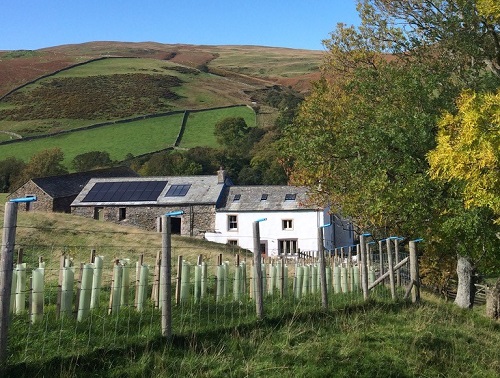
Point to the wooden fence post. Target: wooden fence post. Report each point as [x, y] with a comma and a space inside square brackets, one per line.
[259, 304]
[166, 283]
[322, 268]
[391, 268]
[364, 268]
[6, 271]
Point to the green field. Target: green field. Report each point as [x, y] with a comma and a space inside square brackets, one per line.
[118, 140]
[200, 125]
[136, 138]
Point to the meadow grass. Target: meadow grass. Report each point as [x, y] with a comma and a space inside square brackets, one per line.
[118, 140]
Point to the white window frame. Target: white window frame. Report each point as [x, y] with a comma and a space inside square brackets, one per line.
[232, 222]
[287, 224]
[232, 242]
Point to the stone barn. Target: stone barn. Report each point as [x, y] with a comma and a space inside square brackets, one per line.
[142, 201]
[56, 193]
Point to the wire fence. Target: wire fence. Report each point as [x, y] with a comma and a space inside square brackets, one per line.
[78, 308]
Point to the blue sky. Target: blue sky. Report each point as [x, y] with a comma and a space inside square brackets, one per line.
[34, 24]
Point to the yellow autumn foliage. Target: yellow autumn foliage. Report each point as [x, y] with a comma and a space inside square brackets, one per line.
[468, 149]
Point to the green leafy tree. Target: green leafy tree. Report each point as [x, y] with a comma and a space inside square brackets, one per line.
[361, 138]
[42, 164]
[9, 169]
[91, 160]
[170, 164]
[232, 132]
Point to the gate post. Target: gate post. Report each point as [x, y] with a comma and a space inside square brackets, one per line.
[6, 268]
[414, 273]
[322, 267]
[364, 268]
[259, 303]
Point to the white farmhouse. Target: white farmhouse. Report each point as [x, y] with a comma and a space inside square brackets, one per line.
[291, 224]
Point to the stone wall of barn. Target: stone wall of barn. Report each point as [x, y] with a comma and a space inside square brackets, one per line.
[196, 220]
[44, 202]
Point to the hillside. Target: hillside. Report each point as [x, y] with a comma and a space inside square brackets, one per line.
[74, 87]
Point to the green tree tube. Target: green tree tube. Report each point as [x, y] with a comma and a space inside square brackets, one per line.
[328, 273]
[337, 286]
[220, 282]
[343, 279]
[37, 286]
[243, 265]
[237, 283]
[264, 277]
[96, 282]
[225, 286]
[85, 292]
[197, 283]
[371, 276]
[306, 283]
[285, 281]
[356, 277]
[299, 275]
[204, 279]
[68, 281]
[125, 291]
[314, 279]
[116, 290]
[143, 287]
[272, 278]
[185, 281]
[21, 288]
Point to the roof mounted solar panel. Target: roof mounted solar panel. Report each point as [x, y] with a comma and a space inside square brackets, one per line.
[178, 190]
[125, 191]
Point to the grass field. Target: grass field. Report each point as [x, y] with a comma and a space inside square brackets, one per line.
[354, 338]
[200, 125]
[120, 139]
[138, 137]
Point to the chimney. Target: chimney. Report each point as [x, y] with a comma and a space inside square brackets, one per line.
[221, 176]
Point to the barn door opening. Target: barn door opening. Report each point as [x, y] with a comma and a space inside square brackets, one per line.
[175, 226]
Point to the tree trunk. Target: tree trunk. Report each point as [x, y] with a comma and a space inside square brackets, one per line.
[465, 290]
[493, 301]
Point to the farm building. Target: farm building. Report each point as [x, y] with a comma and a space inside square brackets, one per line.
[142, 201]
[55, 193]
[291, 224]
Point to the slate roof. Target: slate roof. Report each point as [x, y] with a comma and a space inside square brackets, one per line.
[203, 190]
[265, 198]
[72, 184]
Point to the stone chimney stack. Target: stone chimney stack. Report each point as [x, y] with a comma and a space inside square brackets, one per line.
[221, 176]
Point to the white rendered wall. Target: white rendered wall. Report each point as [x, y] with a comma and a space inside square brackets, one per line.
[305, 229]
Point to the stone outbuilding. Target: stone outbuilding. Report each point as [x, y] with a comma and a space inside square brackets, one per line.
[56, 193]
[142, 201]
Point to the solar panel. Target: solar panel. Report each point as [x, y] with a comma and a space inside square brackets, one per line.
[178, 190]
[125, 191]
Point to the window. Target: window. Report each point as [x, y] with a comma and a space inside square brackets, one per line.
[263, 197]
[232, 222]
[178, 190]
[290, 197]
[288, 246]
[236, 197]
[99, 213]
[122, 213]
[287, 224]
[233, 242]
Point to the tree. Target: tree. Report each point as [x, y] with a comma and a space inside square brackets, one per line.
[42, 164]
[361, 139]
[9, 169]
[170, 164]
[91, 160]
[468, 149]
[232, 132]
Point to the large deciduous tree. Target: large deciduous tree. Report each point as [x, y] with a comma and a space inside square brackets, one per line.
[42, 164]
[361, 139]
